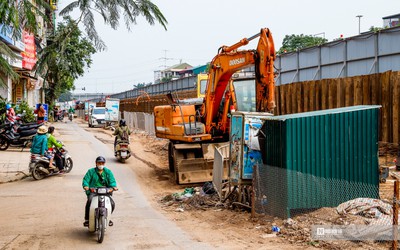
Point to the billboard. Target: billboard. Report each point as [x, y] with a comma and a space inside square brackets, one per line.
[112, 110]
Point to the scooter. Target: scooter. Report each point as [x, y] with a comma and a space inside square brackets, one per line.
[10, 137]
[122, 151]
[60, 115]
[39, 166]
[100, 211]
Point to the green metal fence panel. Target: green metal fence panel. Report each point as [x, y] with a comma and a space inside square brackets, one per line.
[320, 159]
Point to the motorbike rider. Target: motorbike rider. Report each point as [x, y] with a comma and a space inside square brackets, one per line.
[10, 113]
[51, 141]
[121, 133]
[71, 110]
[100, 176]
[39, 143]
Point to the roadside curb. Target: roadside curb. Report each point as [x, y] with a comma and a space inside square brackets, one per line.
[12, 176]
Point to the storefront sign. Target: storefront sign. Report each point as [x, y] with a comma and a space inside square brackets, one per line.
[29, 55]
[19, 93]
[15, 62]
[6, 33]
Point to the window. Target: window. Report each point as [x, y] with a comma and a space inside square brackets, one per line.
[203, 85]
[99, 111]
[245, 92]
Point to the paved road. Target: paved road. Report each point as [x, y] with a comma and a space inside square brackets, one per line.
[48, 214]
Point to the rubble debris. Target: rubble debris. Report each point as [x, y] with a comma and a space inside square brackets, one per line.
[368, 208]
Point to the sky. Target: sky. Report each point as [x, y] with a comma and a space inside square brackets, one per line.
[196, 29]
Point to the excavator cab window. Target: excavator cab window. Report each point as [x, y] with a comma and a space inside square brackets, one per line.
[245, 92]
[203, 85]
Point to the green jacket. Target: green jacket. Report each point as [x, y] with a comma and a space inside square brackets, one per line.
[51, 140]
[92, 179]
[120, 130]
[39, 144]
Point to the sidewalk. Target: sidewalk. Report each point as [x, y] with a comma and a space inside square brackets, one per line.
[14, 164]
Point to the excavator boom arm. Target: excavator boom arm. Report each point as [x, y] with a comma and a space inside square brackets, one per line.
[228, 61]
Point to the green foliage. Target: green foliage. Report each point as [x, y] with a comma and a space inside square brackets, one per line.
[294, 42]
[5, 67]
[111, 11]
[140, 85]
[375, 29]
[63, 61]
[208, 68]
[24, 108]
[65, 97]
[166, 79]
[3, 102]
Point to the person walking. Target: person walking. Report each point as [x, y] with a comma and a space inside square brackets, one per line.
[41, 113]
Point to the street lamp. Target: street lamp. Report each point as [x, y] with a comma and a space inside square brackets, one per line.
[359, 23]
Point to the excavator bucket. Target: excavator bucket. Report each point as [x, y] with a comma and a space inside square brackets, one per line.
[194, 163]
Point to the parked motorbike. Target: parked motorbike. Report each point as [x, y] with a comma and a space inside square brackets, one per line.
[59, 115]
[18, 128]
[14, 119]
[100, 211]
[122, 151]
[39, 165]
[11, 136]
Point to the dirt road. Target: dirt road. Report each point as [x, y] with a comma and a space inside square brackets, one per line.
[219, 228]
[48, 214]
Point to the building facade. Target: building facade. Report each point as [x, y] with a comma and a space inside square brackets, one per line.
[29, 86]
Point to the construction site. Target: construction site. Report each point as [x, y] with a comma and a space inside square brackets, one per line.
[305, 152]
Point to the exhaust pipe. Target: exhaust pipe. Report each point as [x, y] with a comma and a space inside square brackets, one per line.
[44, 170]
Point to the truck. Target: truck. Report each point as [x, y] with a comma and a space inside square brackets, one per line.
[194, 130]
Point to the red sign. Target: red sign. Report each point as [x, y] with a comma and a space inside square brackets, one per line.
[29, 55]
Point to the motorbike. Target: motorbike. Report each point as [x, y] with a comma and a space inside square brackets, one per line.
[70, 116]
[122, 150]
[39, 166]
[100, 211]
[16, 136]
[59, 116]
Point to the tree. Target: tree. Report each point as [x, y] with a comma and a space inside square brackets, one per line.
[375, 29]
[65, 59]
[294, 42]
[65, 97]
[110, 12]
[139, 85]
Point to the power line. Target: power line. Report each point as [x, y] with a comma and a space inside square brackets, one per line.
[165, 58]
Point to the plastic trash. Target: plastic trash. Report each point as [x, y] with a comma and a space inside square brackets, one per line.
[276, 229]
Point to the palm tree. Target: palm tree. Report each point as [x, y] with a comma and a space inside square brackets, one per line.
[110, 12]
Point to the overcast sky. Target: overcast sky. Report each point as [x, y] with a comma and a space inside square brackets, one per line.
[196, 29]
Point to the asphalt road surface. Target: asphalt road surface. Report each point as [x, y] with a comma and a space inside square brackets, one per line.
[48, 214]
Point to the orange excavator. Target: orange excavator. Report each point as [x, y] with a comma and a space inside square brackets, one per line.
[194, 130]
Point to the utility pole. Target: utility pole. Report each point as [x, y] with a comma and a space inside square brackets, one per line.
[359, 23]
[165, 58]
